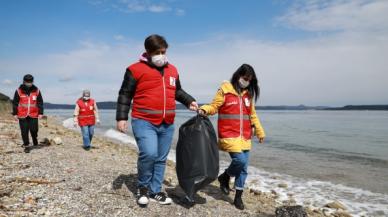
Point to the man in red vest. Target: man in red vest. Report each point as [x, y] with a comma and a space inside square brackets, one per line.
[86, 116]
[151, 85]
[27, 109]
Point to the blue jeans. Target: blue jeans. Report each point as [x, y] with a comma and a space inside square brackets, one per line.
[154, 143]
[87, 135]
[238, 168]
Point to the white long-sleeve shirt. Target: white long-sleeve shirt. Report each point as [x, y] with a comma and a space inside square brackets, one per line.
[76, 112]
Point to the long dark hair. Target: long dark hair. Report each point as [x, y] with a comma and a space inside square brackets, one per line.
[246, 70]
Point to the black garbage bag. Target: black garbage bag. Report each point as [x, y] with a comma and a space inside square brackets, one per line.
[197, 160]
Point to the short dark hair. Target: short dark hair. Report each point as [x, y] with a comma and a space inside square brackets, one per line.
[154, 42]
[28, 78]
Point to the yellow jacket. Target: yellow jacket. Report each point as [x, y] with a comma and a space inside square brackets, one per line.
[237, 144]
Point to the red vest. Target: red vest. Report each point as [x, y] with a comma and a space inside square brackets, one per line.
[234, 117]
[154, 98]
[86, 115]
[28, 104]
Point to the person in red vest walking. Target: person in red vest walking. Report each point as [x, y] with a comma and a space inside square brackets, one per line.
[235, 104]
[86, 116]
[27, 109]
[153, 85]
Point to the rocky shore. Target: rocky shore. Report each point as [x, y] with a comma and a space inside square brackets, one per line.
[59, 178]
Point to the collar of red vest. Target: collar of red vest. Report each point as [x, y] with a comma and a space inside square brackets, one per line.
[227, 87]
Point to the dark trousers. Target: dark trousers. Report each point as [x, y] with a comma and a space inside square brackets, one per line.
[29, 125]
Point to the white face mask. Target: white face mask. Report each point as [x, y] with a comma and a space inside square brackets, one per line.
[243, 83]
[28, 84]
[86, 98]
[159, 60]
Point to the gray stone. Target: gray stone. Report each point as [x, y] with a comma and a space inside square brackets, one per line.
[290, 211]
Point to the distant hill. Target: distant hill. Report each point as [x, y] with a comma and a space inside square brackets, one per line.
[285, 107]
[360, 107]
[112, 105]
[100, 105]
[47, 105]
[5, 103]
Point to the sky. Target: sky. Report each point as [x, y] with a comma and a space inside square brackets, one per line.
[317, 52]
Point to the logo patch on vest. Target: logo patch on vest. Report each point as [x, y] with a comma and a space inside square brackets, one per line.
[172, 81]
[34, 98]
[232, 103]
[247, 103]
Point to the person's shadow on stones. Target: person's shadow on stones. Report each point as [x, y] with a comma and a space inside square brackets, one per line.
[40, 145]
[215, 192]
[179, 196]
[130, 181]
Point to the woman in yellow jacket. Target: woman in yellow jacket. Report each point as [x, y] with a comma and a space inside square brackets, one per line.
[235, 105]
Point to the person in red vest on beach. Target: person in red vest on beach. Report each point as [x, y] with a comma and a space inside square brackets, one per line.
[27, 109]
[86, 117]
[237, 118]
[153, 85]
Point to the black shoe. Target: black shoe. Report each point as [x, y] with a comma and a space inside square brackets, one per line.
[86, 148]
[26, 149]
[238, 203]
[142, 197]
[161, 198]
[224, 183]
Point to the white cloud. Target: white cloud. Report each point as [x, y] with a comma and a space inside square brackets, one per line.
[338, 15]
[335, 70]
[133, 6]
[332, 70]
[66, 78]
[8, 82]
[136, 6]
[180, 12]
[92, 65]
[158, 8]
[118, 37]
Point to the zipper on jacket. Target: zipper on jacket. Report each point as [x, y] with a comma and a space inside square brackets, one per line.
[28, 107]
[164, 97]
[241, 117]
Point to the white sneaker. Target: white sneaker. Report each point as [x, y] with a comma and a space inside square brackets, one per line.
[142, 197]
[161, 198]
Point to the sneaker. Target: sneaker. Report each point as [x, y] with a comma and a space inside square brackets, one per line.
[161, 198]
[142, 197]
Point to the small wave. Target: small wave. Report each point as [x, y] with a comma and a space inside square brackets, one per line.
[121, 137]
[318, 193]
[69, 124]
